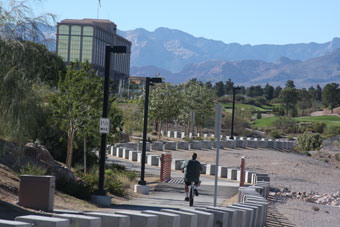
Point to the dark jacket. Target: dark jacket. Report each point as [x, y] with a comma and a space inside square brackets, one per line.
[192, 170]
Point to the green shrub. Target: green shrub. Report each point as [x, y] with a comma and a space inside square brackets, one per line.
[258, 115]
[275, 134]
[309, 141]
[78, 189]
[315, 127]
[286, 124]
[331, 131]
[267, 130]
[32, 169]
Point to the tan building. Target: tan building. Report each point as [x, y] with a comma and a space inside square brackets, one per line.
[85, 40]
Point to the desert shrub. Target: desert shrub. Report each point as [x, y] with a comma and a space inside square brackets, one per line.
[117, 179]
[315, 127]
[309, 141]
[239, 98]
[278, 111]
[275, 134]
[224, 99]
[286, 124]
[337, 157]
[331, 131]
[267, 130]
[32, 169]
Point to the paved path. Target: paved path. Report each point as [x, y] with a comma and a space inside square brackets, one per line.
[172, 194]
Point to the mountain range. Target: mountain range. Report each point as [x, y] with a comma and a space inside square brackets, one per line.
[179, 56]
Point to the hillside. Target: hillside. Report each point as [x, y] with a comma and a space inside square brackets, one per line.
[172, 49]
[320, 70]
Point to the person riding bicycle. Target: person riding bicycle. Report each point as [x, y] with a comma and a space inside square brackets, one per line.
[192, 170]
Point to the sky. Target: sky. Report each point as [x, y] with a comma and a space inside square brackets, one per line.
[241, 21]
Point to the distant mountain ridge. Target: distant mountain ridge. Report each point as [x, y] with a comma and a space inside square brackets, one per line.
[173, 49]
[319, 70]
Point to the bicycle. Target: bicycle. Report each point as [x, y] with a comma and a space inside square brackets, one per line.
[192, 194]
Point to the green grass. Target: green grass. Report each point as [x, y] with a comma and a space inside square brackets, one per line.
[328, 120]
[228, 107]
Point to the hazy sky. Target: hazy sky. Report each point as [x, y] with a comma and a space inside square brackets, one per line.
[242, 21]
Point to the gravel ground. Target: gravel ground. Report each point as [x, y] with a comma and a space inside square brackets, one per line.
[293, 171]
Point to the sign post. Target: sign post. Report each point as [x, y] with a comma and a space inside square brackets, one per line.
[218, 119]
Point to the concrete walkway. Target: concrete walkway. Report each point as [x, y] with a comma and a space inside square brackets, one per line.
[172, 194]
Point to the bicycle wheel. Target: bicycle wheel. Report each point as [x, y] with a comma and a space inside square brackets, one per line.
[191, 197]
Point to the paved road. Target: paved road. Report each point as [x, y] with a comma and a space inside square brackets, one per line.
[172, 194]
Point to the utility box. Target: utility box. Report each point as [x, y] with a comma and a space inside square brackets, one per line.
[37, 192]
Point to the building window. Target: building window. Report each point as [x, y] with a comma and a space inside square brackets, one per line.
[63, 47]
[63, 29]
[88, 30]
[75, 48]
[87, 49]
[75, 30]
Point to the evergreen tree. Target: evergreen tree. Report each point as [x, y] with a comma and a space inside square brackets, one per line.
[219, 88]
[331, 95]
[268, 92]
[229, 85]
[277, 91]
[290, 84]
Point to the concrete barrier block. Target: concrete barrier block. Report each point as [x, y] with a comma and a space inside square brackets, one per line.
[183, 145]
[165, 219]
[133, 156]
[182, 135]
[222, 172]
[162, 133]
[170, 145]
[110, 219]
[120, 152]
[204, 219]
[196, 145]
[204, 167]
[207, 144]
[190, 135]
[263, 208]
[210, 169]
[249, 176]
[80, 220]
[113, 151]
[242, 191]
[238, 176]
[141, 219]
[126, 153]
[171, 134]
[37, 220]
[230, 144]
[254, 222]
[140, 146]
[205, 135]
[241, 143]
[220, 217]
[232, 173]
[186, 219]
[221, 144]
[141, 189]
[232, 215]
[139, 157]
[176, 164]
[176, 134]
[6, 223]
[252, 144]
[153, 160]
[157, 146]
[132, 146]
[249, 214]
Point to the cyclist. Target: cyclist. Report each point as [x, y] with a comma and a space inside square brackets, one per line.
[191, 169]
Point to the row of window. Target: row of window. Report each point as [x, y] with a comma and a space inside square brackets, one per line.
[75, 30]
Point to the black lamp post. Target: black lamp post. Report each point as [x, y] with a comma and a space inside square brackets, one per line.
[233, 112]
[148, 81]
[108, 50]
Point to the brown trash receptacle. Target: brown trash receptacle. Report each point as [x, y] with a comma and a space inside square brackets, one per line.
[37, 192]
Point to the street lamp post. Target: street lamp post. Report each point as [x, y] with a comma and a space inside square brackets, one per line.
[233, 113]
[148, 81]
[108, 50]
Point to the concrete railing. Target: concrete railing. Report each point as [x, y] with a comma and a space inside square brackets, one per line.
[239, 142]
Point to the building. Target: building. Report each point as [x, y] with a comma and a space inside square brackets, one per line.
[86, 40]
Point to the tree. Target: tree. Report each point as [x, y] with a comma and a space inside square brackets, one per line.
[25, 69]
[318, 93]
[305, 100]
[268, 92]
[289, 97]
[219, 87]
[290, 84]
[17, 22]
[330, 96]
[229, 85]
[77, 105]
[254, 91]
[277, 91]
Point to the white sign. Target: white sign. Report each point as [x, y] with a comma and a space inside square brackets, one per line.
[104, 125]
